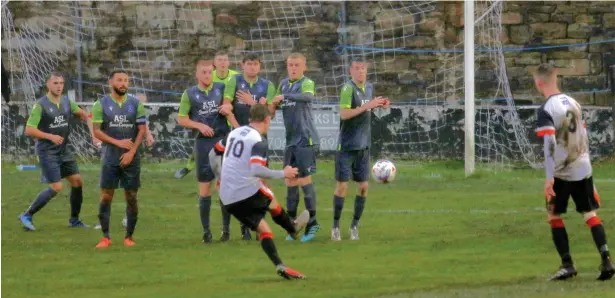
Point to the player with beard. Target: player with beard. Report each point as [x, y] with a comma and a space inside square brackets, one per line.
[119, 123]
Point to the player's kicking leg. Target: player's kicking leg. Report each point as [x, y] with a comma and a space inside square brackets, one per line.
[181, 173]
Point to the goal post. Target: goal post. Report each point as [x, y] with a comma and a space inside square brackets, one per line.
[468, 66]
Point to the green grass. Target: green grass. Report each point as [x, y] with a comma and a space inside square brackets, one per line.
[431, 233]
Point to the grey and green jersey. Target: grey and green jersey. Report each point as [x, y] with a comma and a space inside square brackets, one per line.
[119, 120]
[261, 88]
[355, 133]
[297, 111]
[202, 105]
[231, 73]
[53, 118]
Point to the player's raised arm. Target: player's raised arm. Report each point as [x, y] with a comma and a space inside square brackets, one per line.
[185, 121]
[97, 120]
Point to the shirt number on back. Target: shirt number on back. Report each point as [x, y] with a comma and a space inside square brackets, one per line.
[572, 121]
[235, 148]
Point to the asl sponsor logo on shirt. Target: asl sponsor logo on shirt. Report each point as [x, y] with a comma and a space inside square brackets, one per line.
[208, 107]
[59, 121]
[121, 121]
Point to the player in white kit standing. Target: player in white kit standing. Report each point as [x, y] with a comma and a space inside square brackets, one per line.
[568, 171]
[244, 166]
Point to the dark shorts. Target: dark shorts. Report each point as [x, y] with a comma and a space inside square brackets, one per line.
[252, 210]
[202, 146]
[583, 194]
[112, 175]
[53, 169]
[352, 161]
[302, 158]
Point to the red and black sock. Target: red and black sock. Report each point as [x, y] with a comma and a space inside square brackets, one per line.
[269, 248]
[281, 218]
[599, 235]
[560, 239]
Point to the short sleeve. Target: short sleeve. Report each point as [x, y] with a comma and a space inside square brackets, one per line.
[97, 112]
[544, 123]
[184, 105]
[308, 86]
[346, 97]
[277, 92]
[259, 153]
[35, 116]
[141, 116]
[74, 108]
[270, 92]
[229, 88]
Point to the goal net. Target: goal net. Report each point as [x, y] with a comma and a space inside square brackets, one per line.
[414, 59]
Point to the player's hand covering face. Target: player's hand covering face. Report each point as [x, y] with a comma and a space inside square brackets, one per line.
[251, 68]
[222, 62]
[358, 71]
[55, 85]
[119, 83]
[204, 74]
[295, 67]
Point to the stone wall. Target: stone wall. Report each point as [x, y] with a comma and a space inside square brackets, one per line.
[188, 31]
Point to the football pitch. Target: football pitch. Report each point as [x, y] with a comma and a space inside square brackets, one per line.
[430, 233]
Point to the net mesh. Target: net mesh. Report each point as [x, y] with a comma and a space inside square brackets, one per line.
[392, 39]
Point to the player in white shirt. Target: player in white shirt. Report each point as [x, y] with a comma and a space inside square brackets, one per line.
[568, 171]
[244, 166]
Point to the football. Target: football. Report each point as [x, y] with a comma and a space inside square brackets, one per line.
[384, 171]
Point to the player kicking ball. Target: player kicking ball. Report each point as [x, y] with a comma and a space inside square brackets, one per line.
[50, 123]
[243, 193]
[352, 156]
[119, 122]
[568, 171]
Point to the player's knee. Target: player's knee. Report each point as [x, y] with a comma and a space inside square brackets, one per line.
[57, 187]
[592, 219]
[106, 195]
[76, 181]
[341, 188]
[363, 189]
[205, 189]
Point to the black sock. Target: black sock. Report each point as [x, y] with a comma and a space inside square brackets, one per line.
[292, 200]
[284, 221]
[41, 200]
[310, 202]
[270, 250]
[338, 206]
[560, 239]
[205, 207]
[359, 205]
[104, 214]
[226, 218]
[599, 236]
[132, 215]
[76, 199]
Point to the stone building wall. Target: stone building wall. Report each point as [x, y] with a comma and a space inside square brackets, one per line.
[123, 28]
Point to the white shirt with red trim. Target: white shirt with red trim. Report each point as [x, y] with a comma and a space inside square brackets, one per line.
[561, 116]
[243, 146]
